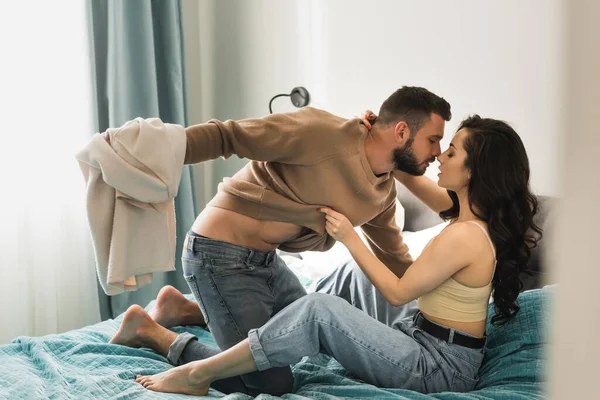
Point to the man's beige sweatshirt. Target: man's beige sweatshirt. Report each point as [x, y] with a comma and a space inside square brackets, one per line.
[301, 161]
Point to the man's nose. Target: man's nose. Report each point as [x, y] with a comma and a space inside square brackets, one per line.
[437, 150]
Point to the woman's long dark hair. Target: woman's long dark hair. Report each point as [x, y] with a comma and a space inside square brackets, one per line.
[499, 194]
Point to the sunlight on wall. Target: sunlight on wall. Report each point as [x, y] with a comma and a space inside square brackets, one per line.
[47, 274]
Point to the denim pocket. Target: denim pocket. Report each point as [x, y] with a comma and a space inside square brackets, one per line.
[191, 281]
[462, 355]
[463, 383]
[431, 363]
[224, 267]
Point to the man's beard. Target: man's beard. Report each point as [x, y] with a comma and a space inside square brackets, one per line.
[404, 160]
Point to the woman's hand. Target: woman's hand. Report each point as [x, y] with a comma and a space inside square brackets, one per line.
[337, 225]
[368, 118]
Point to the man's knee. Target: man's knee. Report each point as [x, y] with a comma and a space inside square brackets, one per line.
[322, 303]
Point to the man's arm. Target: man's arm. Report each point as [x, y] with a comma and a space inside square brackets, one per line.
[276, 137]
[385, 239]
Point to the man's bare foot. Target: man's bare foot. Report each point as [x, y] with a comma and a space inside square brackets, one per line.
[138, 329]
[134, 328]
[183, 379]
[174, 309]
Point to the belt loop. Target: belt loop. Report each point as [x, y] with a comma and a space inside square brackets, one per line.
[190, 242]
[451, 336]
[249, 258]
[416, 317]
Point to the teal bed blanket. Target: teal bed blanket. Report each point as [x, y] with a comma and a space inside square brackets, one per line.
[82, 365]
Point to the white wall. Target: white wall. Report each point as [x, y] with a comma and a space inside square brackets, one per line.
[498, 58]
[48, 278]
[239, 54]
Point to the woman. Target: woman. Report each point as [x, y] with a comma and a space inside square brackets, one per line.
[483, 190]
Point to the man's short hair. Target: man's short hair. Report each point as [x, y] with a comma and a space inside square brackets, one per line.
[414, 105]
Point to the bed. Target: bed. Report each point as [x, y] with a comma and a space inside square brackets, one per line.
[80, 364]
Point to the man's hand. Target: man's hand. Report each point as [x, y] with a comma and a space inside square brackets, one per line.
[337, 225]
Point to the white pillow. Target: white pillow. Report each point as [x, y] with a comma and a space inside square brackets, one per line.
[416, 241]
[320, 263]
[302, 270]
[399, 215]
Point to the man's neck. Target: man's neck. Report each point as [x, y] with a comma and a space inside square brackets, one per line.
[377, 153]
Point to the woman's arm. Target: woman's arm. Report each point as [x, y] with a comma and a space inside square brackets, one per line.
[426, 190]
[447, 254]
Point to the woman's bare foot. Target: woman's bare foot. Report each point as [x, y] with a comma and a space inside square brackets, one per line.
[174, 309]
[138, 329]
[183, 379]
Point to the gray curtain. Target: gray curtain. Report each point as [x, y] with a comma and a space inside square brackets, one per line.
[138, 67]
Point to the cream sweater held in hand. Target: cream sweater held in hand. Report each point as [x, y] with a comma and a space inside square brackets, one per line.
[132, 174]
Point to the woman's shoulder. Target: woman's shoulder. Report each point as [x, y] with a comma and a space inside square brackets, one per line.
[461, 227]
[457, 245]
[463, 233]
[468, 223]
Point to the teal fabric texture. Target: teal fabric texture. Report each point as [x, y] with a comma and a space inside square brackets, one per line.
[81, 364]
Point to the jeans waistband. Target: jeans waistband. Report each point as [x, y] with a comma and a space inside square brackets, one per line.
[194, 242]
[447, 334]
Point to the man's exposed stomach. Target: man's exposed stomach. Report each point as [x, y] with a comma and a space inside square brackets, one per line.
[231, 227]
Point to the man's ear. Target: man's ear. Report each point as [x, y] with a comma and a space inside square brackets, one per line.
[401, 132]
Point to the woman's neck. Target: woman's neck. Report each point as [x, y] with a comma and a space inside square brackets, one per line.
[465, 213]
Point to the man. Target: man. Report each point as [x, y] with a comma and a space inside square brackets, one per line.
[300, 161]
